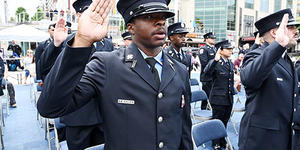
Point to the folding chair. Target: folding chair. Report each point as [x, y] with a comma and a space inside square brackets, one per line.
[38, 116]
[1, 127]
[53, 125]
[6, 98]
[197, 113]
[194, 84]
[238, 106]
[209, 130]
[97, 147]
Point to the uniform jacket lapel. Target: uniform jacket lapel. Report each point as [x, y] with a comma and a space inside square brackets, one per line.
[168, 71]
[223, 63]
[283, 63]
[174, 55]
[139, 65]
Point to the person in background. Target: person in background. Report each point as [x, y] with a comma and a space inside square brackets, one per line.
[5, 83]
[222, 91]
[27, 60]
[15, 48]
[237, 63]
[176, 34]
[258, 41]
[207, 53]
[127, 39]
[245, 48]
[83, 127]
[38, 52]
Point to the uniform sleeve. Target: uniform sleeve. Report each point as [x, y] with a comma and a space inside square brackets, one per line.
[203, 58]
[47, 59]
[71, 83]
[257, 66]
[38, 53]
[2, 69]
[210, 68]
[254, 46]
[186, 138]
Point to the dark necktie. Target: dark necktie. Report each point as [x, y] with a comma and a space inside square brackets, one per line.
[286, 58]
[227, 63]
[151, 61]
[178, 55]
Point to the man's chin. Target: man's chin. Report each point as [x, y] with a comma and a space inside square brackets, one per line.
[159, 43]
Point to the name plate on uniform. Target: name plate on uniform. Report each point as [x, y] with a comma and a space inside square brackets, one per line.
[125, 101]
[279, 79]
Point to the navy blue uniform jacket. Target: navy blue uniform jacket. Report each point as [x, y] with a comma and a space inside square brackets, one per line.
[137, 115]
[88, 114]
[222, 87]
[38, 52]
[206, 54]
[271, 90]
[186, 60]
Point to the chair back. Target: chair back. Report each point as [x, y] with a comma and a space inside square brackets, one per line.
[194, 82]
[207, 131]
[198, 95]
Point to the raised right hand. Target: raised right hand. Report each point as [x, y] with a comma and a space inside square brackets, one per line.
[218, 55]
[60, 32]
[257, 39]
[282, 32]
[93, 23]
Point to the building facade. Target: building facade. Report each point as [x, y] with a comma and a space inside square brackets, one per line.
[232, 19]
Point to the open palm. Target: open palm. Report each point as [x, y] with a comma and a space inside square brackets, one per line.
[60, 32]
[282, 33]
[93, 23]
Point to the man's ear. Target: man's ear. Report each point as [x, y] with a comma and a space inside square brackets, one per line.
[273, 32]
[171, 38]
[130, 28]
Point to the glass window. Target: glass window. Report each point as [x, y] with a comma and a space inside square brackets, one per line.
[264, 5]
[248, 24]
[277, 5]
[289, 3]
[249, 4]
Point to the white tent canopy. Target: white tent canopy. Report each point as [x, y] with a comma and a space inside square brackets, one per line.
[24, 33]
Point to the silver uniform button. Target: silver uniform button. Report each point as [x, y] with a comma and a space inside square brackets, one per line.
[294, 109]
[161, 145]
[160, 95]
[295, 95]
[160, 119]
[292, 123]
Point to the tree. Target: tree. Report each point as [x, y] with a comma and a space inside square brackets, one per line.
[22, 14]
[123, 27]
[39, 15]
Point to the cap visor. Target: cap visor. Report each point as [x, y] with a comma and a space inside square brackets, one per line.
[167, 12]
[294, 23]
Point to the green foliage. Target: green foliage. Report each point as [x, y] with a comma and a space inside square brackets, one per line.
[123, 27]
[39, 15]
[22, 14]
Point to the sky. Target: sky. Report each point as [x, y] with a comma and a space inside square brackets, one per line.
[29, 5]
